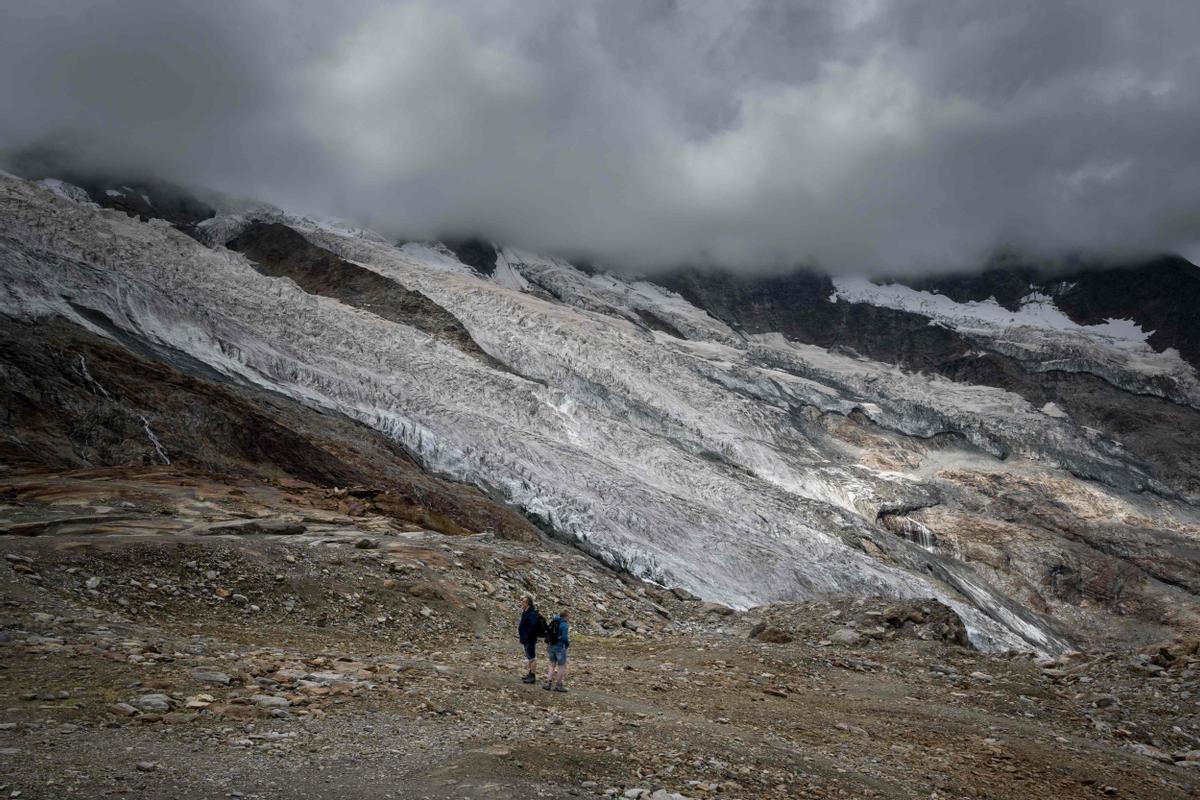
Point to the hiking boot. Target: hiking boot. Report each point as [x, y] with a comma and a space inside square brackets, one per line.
[547, 686]
[560, 688]
[529, 679]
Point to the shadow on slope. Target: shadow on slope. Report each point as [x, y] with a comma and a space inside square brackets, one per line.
[71, 399]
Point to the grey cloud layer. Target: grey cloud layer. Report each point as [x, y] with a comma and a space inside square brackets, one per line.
[854, 134]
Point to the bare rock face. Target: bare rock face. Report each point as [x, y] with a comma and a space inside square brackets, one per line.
[797, 305]
[475, 253]
[928, 620]
[281, 251]
[79, 400]
[143, 197]
[1160, 294]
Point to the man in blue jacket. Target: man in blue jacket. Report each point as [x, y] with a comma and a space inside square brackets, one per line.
[557, 641]
[527, 630]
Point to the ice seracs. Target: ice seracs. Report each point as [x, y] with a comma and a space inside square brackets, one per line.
[627, 420]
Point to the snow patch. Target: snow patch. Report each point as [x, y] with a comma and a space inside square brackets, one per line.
[1052, 409]
[506, 274]
[1043, 338]
[1037, 310]
[67, 191]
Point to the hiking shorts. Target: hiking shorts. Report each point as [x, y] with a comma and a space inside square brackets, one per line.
[558, 654]
[530, 650]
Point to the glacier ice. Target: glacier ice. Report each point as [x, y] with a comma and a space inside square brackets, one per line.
[688, 461]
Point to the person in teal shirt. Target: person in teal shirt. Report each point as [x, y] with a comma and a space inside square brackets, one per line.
[557, 641]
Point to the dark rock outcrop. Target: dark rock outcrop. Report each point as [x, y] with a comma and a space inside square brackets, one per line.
[657, 323]
[1159, 294]
[280, 251]
[70, 399]
[797, 305]
[150, 199]
[475, 253]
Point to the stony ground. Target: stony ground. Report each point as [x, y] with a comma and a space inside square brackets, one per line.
[165, 635]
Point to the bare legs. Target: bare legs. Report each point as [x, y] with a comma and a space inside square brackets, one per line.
[558, 674]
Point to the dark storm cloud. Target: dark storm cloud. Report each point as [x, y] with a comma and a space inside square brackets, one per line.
[855, 134]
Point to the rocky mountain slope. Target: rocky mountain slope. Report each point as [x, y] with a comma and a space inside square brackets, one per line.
[271, 487]
[746, 440]
[167, 633]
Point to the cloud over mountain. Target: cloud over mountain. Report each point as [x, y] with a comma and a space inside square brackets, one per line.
[856, 135]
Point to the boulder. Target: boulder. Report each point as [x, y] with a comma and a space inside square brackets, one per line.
[211, 677]
[846, 636]
[269, 701]
[771, 634]
[153, 702]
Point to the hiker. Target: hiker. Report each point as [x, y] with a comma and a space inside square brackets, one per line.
[531, 627]
[557, 643]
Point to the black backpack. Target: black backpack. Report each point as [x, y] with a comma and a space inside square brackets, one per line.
[539, 627]
[553, 631]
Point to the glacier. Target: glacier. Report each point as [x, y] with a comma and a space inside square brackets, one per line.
[698, 460]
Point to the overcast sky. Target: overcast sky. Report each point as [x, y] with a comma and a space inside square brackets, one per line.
[854, 134]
